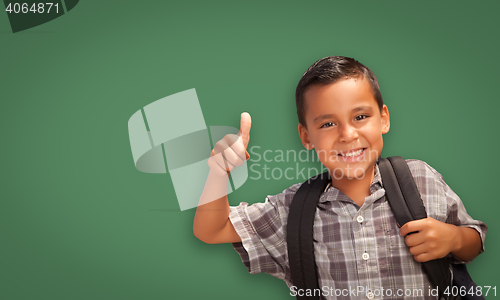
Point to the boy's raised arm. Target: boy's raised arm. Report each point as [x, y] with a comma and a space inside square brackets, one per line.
[211, 222]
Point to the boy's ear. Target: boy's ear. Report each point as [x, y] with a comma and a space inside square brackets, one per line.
[386, 122]
[304, 137]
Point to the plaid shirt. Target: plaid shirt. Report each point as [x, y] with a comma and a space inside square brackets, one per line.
[359, 252]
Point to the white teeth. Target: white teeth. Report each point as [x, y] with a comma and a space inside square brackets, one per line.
[352, 154]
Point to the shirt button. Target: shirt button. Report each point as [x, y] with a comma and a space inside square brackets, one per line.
[366, 256]
[370, 295]
[360, 219]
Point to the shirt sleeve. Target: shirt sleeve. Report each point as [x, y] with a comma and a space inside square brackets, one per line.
[455, 212]
[262, 229]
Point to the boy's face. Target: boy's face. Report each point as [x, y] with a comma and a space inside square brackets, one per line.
[345, 126]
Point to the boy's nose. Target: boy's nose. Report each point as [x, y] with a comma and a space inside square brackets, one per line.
[348, 134]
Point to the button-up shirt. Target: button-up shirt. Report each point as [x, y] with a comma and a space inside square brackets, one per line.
[358, 250]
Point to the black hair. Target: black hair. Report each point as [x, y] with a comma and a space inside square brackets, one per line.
[329, 70]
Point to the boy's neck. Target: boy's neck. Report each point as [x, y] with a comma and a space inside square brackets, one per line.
[355, 189]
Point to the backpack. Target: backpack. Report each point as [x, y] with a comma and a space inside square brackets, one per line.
[406, 204]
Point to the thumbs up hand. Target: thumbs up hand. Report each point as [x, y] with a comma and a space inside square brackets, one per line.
[230, 151]
[245, 124]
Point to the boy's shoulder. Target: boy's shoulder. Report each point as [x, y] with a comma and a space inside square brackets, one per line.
[286, 196]
[293, 189]
[273, 202]
[423, 171]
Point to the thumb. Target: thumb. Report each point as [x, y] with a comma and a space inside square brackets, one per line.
[245, 124]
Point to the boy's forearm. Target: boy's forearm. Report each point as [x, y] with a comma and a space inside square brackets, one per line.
[468, 244]
[212, 216]
[211, 221]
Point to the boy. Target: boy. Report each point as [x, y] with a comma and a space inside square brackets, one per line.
[358, 245]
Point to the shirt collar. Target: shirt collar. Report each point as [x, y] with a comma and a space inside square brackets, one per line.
[331, 193]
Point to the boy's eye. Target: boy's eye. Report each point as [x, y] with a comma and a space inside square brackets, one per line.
[360, 117]
[327, 125]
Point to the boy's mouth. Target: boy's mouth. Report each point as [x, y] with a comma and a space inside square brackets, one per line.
[352, 153]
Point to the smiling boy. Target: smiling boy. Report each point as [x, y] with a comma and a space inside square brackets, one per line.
[357, 240]
[344, 124]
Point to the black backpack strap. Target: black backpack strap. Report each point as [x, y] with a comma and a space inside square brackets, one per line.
[406, 204]
[461, 278]
[300, 234]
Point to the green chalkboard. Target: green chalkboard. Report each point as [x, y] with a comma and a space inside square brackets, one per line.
[78, 221]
